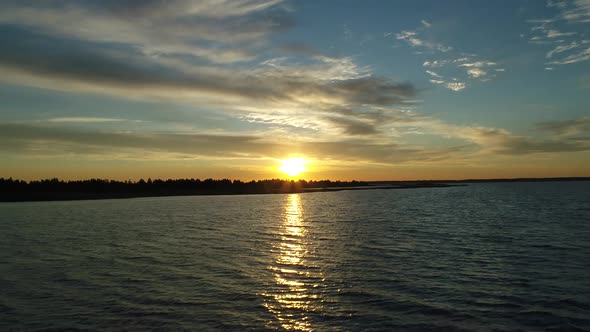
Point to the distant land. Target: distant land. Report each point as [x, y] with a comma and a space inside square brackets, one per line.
[57, 190]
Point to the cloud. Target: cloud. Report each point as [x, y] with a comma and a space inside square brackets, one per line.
[555, 34]
[353, 127]
[574, 14]
[371, 90]
[500, 141]
[299, 49]
[455, 86]
[435, 63]
[166, 53]
[563, 48]
[433, 74]
[49, 141]
[578, 12]
[450, 65]
[190, 64]
[558, 4]
[80, 119]
[170, 27]
[35, 139]
[413, 39]
[520, 146]
[55, 141]
[328, 122]
[440, 80]
[478, 64]
[568, 127]
[475, 68]
[383, 154]
[573, 58]
[476, 72]
[123, 71]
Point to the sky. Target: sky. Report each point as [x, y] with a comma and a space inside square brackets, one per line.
[365, 90]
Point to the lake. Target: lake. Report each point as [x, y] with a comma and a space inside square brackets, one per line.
[489, 256]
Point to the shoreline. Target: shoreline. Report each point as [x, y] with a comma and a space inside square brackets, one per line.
[54, 196]
[64, 196]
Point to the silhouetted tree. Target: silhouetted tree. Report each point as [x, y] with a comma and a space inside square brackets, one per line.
[51, 189]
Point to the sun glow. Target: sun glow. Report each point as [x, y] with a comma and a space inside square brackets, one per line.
[293, 166]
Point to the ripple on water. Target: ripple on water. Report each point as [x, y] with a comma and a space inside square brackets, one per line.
[484, 257]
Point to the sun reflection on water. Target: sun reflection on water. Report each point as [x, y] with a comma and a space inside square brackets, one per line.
[295, 291]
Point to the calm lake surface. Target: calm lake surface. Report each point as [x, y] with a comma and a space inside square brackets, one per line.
[495, 256]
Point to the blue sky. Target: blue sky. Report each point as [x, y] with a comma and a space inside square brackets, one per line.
[361, 89]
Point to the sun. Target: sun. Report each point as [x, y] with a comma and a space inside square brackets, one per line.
[293, 166]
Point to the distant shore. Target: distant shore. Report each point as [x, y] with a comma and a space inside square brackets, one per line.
[57, 190]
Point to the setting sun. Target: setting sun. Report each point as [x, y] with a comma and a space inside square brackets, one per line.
[293, 166]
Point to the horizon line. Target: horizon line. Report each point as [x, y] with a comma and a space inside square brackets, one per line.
[554, 178]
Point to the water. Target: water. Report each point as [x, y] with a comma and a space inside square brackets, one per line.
[504, 256]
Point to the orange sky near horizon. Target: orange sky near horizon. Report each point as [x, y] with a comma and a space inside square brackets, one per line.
[133, 170]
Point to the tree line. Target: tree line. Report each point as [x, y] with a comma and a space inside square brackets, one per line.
[50, 189]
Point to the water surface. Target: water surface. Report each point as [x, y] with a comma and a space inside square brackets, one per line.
[494, 256]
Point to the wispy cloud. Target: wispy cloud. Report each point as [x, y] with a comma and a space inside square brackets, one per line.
[171, 27]
[433, 74]
[353, 126]
[478, 64]
[455, 86]
[276, 83]
[583, 55]
[453, 63]
[569, 47]
[426, 23]
[555, 34]
[569, 127]
[414, 38]
[80, 119]
[476, 72]
[51, 141]
[44, 141]
[563, 48]
[562, 4]
[210, 54]
[421, 43]
[577, 11]
[435, 63]
[472, 69]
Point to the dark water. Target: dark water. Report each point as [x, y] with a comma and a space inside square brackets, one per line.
[511, 256]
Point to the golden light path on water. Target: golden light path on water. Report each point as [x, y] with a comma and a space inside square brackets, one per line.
[296, 293]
